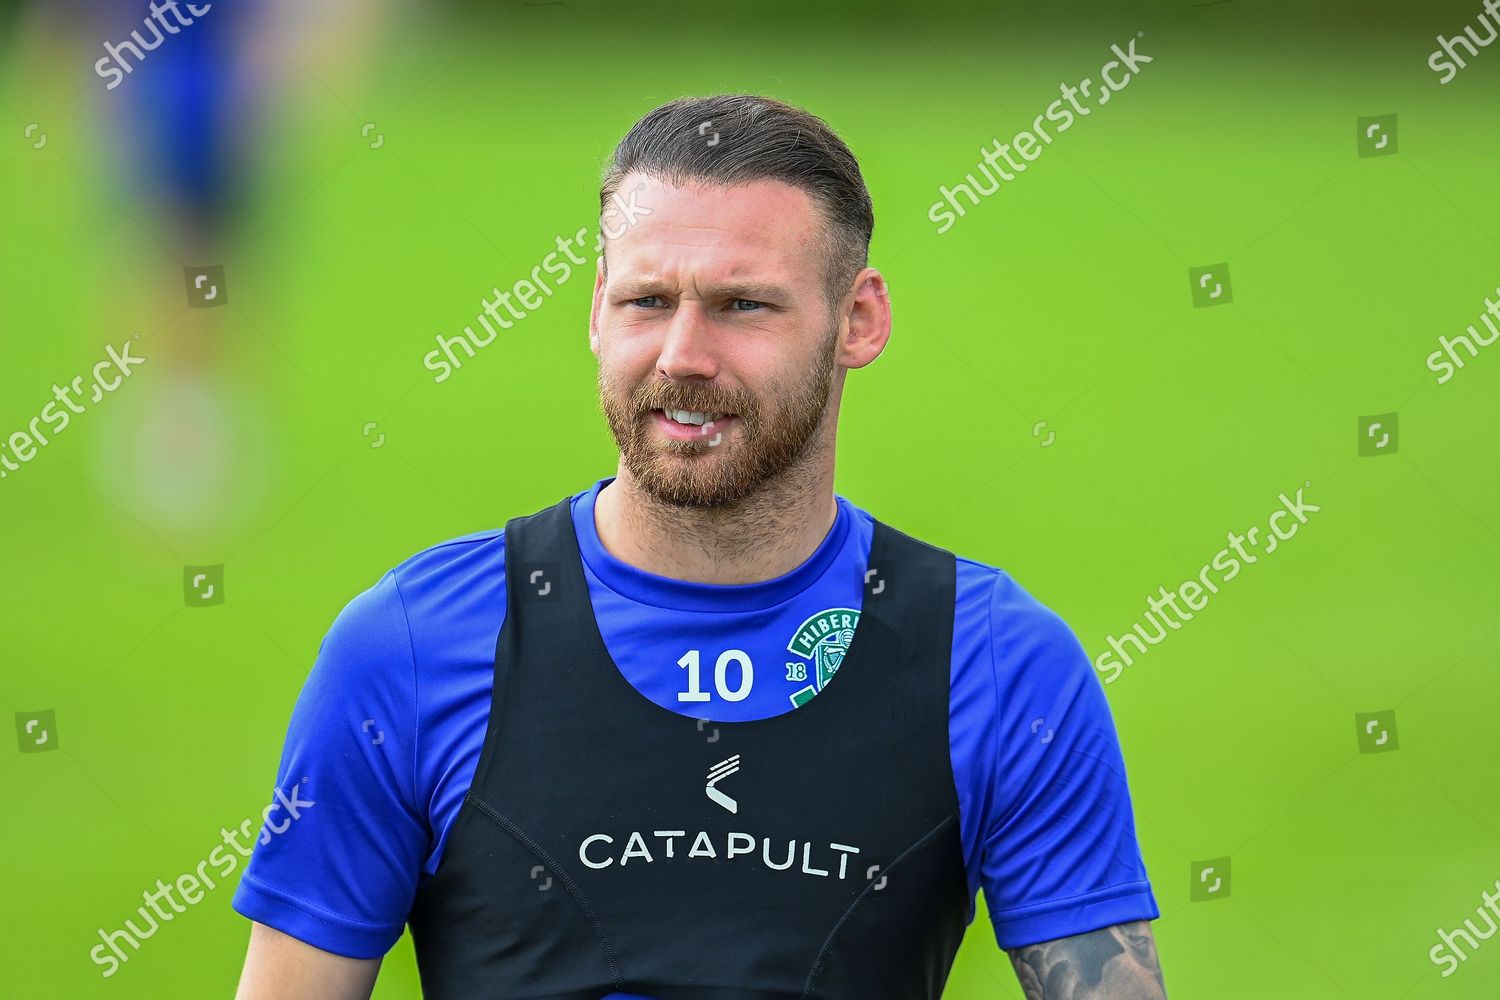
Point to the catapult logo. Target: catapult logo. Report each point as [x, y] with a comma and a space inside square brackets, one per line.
[718, 773]
[601, 850]
[824, 639]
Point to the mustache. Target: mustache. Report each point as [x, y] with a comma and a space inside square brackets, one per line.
[667, 397]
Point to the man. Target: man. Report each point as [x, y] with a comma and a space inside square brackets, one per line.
[706, 730]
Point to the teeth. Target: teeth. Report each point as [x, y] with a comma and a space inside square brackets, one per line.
[691, 417]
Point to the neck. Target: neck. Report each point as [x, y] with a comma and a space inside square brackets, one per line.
[759, 538]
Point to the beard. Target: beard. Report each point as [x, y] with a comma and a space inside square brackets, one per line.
[762, 443]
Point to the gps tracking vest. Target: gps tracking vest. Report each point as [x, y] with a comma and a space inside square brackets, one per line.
[610, 844]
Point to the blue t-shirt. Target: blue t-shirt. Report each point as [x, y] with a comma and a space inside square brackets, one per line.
[387, 732]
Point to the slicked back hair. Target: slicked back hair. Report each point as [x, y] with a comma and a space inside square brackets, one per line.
[759, 138]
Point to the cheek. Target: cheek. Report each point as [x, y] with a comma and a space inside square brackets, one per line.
[624, 372]
[773, 374]
[624, 357]
[630, 351]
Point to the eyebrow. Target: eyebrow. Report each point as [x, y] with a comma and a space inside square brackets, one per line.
[757, 290]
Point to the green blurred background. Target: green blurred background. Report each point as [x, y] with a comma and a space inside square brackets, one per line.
[244, 440]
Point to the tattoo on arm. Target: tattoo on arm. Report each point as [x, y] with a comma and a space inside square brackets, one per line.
[1112, 963]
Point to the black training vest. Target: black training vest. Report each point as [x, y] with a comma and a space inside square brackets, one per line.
[610, 844]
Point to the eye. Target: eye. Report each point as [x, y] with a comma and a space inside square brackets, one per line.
[757, 306]
[643, 299]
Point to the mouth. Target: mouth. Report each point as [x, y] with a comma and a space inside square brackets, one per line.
[687, 425]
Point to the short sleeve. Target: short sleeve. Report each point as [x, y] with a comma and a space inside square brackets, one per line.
[1060, 854]
[341, 874]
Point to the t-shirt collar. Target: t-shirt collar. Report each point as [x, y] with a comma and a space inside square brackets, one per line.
[684, 595]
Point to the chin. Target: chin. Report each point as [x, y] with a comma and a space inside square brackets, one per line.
[685, 491]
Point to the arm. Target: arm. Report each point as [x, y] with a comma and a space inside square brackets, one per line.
[327, 891]
[279, 967]
[1061, 867]
[1112, 963]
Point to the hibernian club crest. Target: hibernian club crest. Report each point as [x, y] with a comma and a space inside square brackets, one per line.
[824, 640]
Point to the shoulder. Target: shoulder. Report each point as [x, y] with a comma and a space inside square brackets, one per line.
[451, 599]
[424, 579]
[377, 633]
[1022, 682]
[1021, 626]
[1017, 612]
[1035, 658]
[1014, 654]
[439, 563]
[433, 581]
[1050, 720]
[1000, 625]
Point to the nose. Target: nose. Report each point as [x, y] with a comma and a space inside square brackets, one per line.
[687, 345]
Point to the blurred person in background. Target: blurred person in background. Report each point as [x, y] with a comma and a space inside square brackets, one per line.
[180, 99]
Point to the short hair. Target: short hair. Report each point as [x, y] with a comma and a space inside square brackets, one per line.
[759, 138]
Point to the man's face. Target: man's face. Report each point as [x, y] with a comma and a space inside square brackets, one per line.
[714, 305]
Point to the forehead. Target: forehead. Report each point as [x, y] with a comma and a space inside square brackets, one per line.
[766, 228]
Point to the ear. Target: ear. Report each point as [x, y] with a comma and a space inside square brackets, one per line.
[598, 301]
[865, 320]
